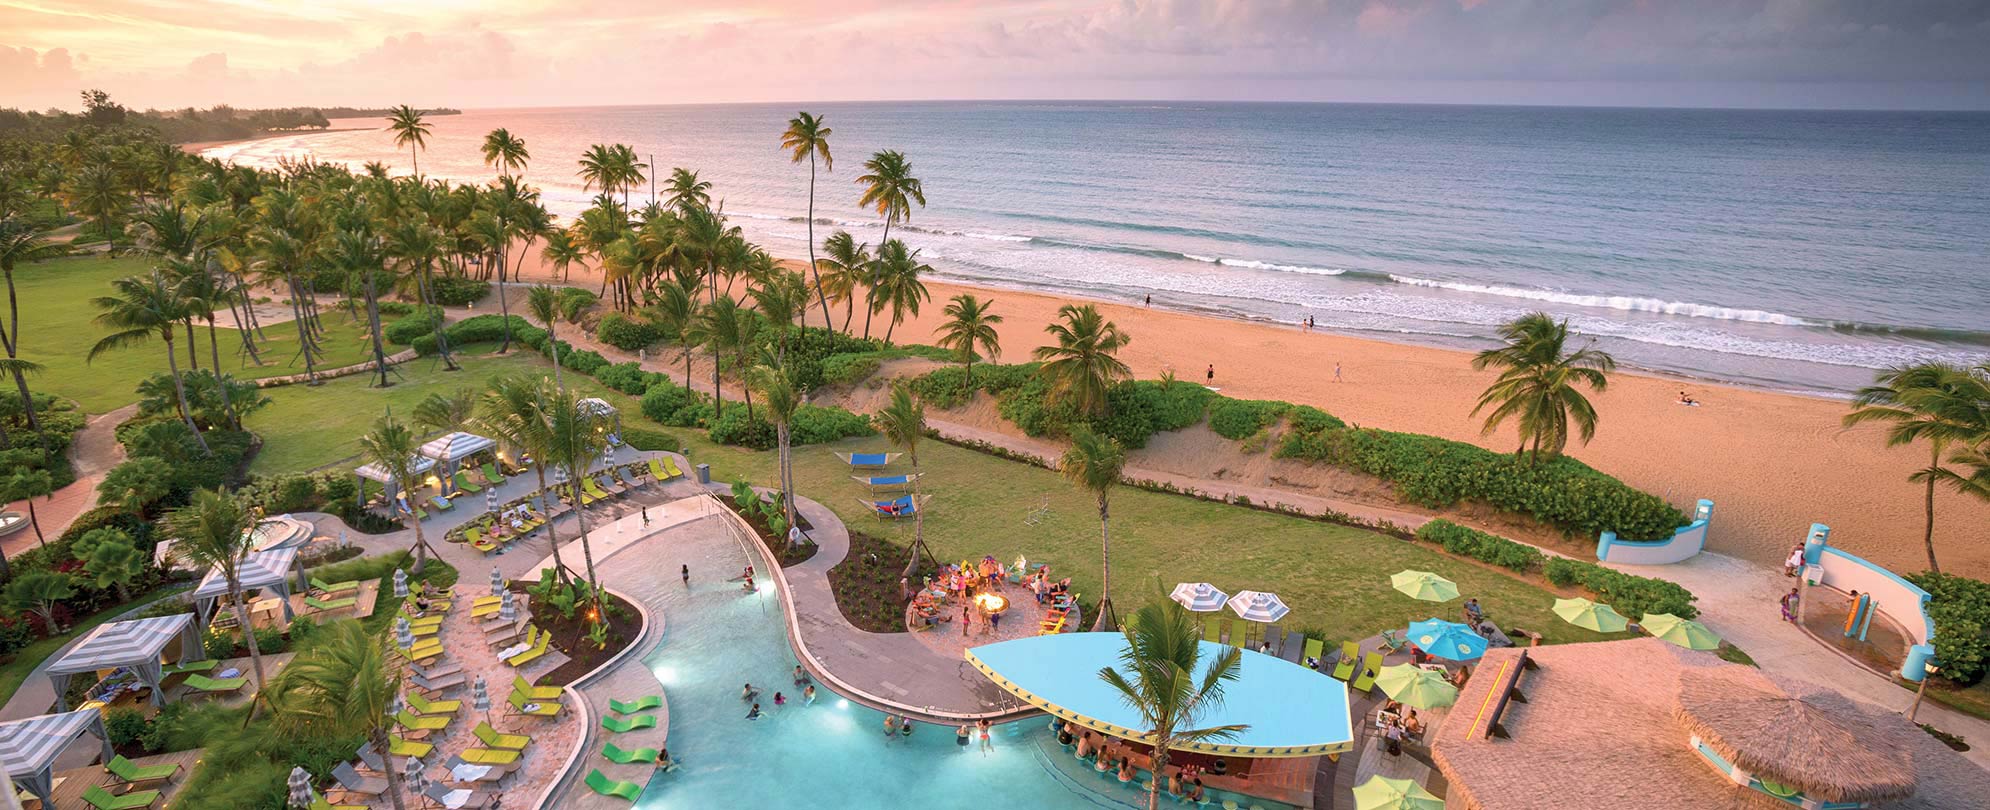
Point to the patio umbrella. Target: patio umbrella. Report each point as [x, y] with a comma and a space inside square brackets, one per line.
[416, 778]
[608, 456]
[394, 710]
[497, 581]
[490, 498]
[400, 583]
[1424, 585]
[507, 609]
[1382, 793]
[300, 787]
[1448, 640]
[404, 632]
[1258, 606]
[1590, 615]
[1684, 632]
[1200, 597]
[480, 697]
[1415, 686]
[342, 540]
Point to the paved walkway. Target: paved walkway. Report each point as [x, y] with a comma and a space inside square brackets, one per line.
[93, 452]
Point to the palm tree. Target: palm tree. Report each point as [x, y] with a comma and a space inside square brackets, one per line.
[1169, 687]
[100, 196]
[204, 293]
[1539, 384]
[518, 412]
[281, 255]
[410, 131]
[395, 449]
[846, 268]
[21, 243]
[629, 169]
[890, 189]
[903, 423]
[1083, 366]
[576, 437]
[344, 686]
[807, 139]
[686, 191]
[213, 532]
[358, 252]
[970, 330]
[597, 169]
[719, 322]
[1937, 403]
[895, 284]
[505, 151]
[562, 252]
[1094, 463]
[778, 395]
[441, 412]
[543, 302]
[675, 311]
[140, 309]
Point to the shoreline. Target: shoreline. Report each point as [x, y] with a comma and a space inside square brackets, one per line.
[197, 147]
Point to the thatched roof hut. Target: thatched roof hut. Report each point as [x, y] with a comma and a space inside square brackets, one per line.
[1794, 734]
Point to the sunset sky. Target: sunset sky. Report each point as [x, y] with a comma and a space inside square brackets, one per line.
[1783, 53]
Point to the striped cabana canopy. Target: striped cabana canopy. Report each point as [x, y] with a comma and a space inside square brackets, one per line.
[1291, 711]
[372, 472]
[594, 406]
[29, 748]
[258, 569]
[450, 449]
[136, 644]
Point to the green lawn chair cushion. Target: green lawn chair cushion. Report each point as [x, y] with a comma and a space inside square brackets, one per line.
[643, 703]
[1315, 648]
[413, 723]
[488, 756]
[464, 483]
[103, 799]
[1371, 666]
[335, 587]
[321, 804]
[128, 771]
[426, 706]
[621, 757]
[492, 738]
[491, 473]
[407, 748]
[203, 665]
[622, 726]
[206, 684]
[600, 783]
[518, 701]
[518, 683]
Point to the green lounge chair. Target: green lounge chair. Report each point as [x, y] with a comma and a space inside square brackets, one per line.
[464, 484]
[1315, 648]
[202, 683]
[1350, 655]
[131, 773]
[547, 708]
[425, 621]
[670, 466]
[426, 706]
[624, 726]
[1235, 635]
[408, 748]
[1371, 666]
[203, 665]
[440, 503]
[480, 608]
[103, 800]
[491, 473]
[492, 738]
[423, 650]
[407, 720]
[320, 803]
[331, 588]
[656, 471]
[538, 649]
[643, 703]
[488, 756]
[600, 783]
[328, 605]
[588, 486]
[1212, 632]
[519, 684]
[618, 756]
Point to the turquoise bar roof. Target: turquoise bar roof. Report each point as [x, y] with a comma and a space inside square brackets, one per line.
[1292, 711]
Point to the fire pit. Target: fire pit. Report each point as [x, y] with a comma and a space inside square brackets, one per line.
[992, 603]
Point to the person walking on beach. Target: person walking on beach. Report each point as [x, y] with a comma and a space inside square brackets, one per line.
[1150, 299]
[687, 574]
[1337, 371]
[646, 517]
[1212, 372]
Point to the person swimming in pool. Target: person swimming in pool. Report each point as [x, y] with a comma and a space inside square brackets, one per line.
[905, 726]
[808, 694]
[891, 725]
[753, 713]
[780, 699]
[961, 735]
[748, 693]
[801, 675]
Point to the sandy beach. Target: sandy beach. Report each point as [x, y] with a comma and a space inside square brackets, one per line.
[1773, 463]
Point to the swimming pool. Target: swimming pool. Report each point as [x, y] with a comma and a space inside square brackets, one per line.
[832, 754]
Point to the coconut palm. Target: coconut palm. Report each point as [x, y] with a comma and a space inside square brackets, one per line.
[969, 330]
[204, 292]
[545, 303]
[344, 686]
[721, 324]
[782, 401]
[598, 170]
[281, 255]
[100, 196]
[890, 189]
[1941, 404]
[781, 297]
[212, 531]
[685, 191]
[21, 243]
[843, 270]
[141, 309]
[1083, 366]
[518, 412]
[505, 152]
[394, 448]
[358, 253]
[1094, 463]
[675, 311]
[630, 169]
[415, 246]
[807, 138]
[895, 284]
[903, 423]
[441, 412]
[410, 131]
[562, 251]
[1538, 387]
[576, 437]
[1165, 678]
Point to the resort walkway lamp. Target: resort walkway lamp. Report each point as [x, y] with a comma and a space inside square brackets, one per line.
[1382, 793]
[1424, 585]
[1922, 691]
[1591, 615]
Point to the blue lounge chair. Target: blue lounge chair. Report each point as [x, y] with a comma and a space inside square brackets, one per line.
[886, 483]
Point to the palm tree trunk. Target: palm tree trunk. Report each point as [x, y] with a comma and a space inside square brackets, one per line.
[8, 339]
[559, 566]
[870, 308]
[849, 310]
[180, 389]
[214, 348]
[892, 328]
[248, 632]
[918, 525]
[687, 368]
[819, 297]
[1928, 538]
[587, 551]
[504, 308]
[553, 340]
[378, 736]
[193, 356]
[34, 520]
[423, 291]
[1105, 566]
[373, 325]
[303, 334]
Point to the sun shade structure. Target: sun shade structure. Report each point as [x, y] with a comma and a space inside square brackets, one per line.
[1792, 737]
[1590, 615]
[1416, 686]
[1200, 597]
[372, 472]
[1382, 793]
[1424, 585]
[1448, 640]
[1684, 632]
[136, 644]
[29, 748]
[1258, 606]
[269, 570]
[451, 450]
[1291, 710]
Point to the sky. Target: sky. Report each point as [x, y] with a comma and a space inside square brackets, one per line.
[523, 53]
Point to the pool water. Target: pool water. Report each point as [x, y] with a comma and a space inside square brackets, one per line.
[831, 754]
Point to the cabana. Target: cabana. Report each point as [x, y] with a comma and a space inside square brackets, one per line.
[886, 483]
[452, 450]
[29, 748]
[136, 644]
[372, 472]
[269, 570]
[868, 461]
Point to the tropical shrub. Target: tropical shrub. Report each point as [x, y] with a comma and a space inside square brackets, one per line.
[1238, 419]
[735, 428]
[628, 378]
[626, 333]
[816, 425]
[847, 369]
[403, 331]
[458, 291]
[1478, 545]
[1960, 607]
[666, 403]
[1631, 595]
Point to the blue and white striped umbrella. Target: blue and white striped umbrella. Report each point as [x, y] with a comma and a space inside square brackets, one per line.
[490, 498]
[497, 581]
[400, 583]
[1258, 606]
[416, 776]
[403, 632]
[480, 697]
[300, 787]
[1200, 597]
[507, 609]
[608, 455]
[393, 709]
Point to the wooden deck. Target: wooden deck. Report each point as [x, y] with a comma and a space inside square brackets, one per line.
[70, 784]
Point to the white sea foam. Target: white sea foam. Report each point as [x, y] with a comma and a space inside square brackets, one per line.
[1258, 265]
[1627, 303]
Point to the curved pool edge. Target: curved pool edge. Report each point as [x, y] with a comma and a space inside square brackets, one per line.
[652, 627]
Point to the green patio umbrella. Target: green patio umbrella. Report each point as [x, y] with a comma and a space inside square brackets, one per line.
[1590, 615]
[1382, 793]
[1684, 632]
[1424, 585]
[1414, 686]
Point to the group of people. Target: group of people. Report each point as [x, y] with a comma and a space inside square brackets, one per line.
[1399, 722]
[962, 582]
[1112, 756]
[751, 695]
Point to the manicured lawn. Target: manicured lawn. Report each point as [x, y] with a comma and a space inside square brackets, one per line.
[57, 331]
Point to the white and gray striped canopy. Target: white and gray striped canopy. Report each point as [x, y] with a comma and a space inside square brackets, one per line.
[372, 472]
[269, 570]
[451, 448]
[28, 748]
[136, 644]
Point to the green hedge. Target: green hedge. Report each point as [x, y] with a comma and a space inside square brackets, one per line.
[626, 333]
[1239, 419]
[1961, 609]
[846, 369]
[1633, 596]
[1468, 542]
[642, 439]
[404, 330]
[818, 425]
[458, 291]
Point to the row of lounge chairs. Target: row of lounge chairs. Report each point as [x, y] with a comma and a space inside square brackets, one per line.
[130, 777]
[631, 720]
[1350, 665]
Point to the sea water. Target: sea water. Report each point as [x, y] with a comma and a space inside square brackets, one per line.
[1787, 249]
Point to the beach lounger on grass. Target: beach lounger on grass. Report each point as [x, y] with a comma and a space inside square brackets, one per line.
[409, 721]
[131, 773]
[464, 483]
[868, 461]
[1371, 667]
[490, 756]
[203, 665]
[492, 738]
[640, 756]
[519, 705]
[600, 783]
[102, 799]
[643, 703]
[519, 684]
[424, 706]
[621, 725]
[202, 683]
[335, 588]
[1350, 657]
[407, 748]
[457, 798]
[419, 622]
[349, 778]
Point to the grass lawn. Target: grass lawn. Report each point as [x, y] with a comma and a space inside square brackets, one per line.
[14, 672]
[57, 331]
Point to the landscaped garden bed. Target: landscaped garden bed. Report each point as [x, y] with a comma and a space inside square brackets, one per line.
[868, 587]
[566, 613]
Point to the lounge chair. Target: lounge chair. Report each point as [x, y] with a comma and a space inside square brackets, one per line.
[518, 683]
[490, 756]
[1274, 638]
[1371, 667]
[370, 759]
[491, 473]
[202, 683]
[608, 482]
[423, 705]
[1316, 649]
[486, 606]
[436, 685]
[621, 725]
[868, 461]
[334, 588]
[457, 798]
[475, 537]
[492, 738]
[407, 720]
[317, 605]
[657, 473]
[427, 649]
[629, 477]
[349, 778]
[321, 803]
[643, 703]
[464, 483]
[670, 466]
[424, 621]
[643, 756]
[424, 631]
[437, 670]
[440, 503]
[1212, 632]
[1350, 657]
[591, 490]
[533, 654]
[407, 748]
[1295, 645]
[600, 783]
[131, 773]
[505, 634]
[497, 770]
[102, 799]
[184, 667]
[548, 708]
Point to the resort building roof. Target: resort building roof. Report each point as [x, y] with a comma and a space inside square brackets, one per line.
[1645, 724]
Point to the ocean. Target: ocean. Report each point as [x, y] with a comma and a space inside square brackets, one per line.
[1792, 250]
